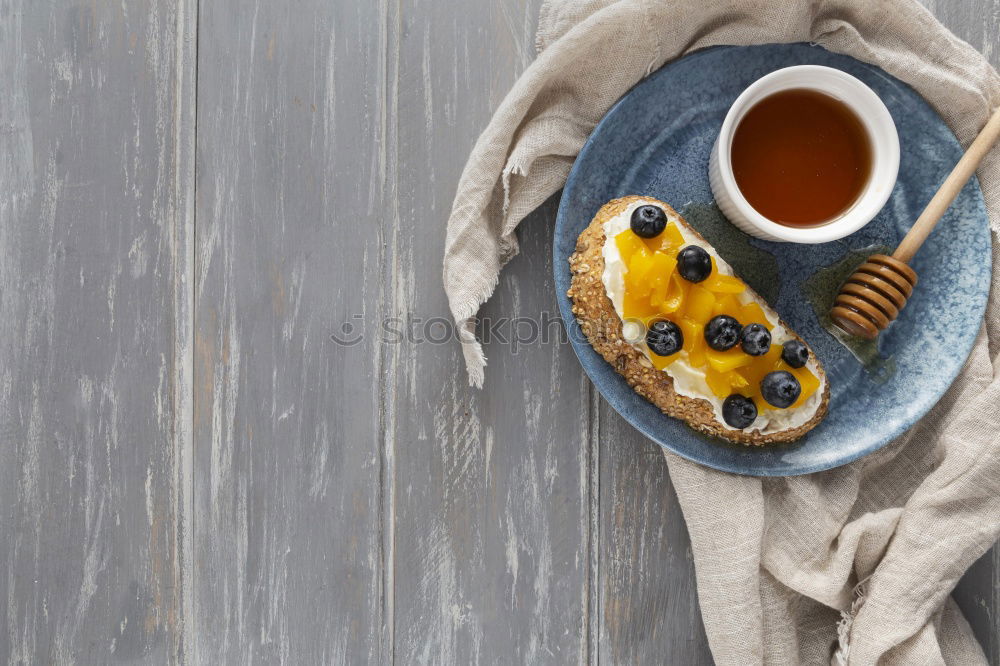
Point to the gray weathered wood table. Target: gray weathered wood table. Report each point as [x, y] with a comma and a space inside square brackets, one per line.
[194, 198]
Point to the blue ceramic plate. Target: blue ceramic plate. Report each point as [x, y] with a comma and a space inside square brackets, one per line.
[656, 140]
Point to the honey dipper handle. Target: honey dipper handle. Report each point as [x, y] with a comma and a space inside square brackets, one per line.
[952, 185]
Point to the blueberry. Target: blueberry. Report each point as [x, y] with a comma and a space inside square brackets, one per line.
[694, 264]
[664, 338]
[755, 339]
[780, 388]
[739, 411]
[722, 332]
[794, 353]
[648, 221]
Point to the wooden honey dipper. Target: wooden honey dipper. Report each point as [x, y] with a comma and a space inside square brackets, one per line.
[873, 296]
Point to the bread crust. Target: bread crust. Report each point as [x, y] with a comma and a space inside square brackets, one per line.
[600, 323]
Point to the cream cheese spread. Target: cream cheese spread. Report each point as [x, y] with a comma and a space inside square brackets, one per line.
[690, 381]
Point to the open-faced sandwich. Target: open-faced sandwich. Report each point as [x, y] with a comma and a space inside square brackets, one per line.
[657, 301]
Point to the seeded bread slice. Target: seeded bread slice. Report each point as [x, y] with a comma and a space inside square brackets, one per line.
[603, 328]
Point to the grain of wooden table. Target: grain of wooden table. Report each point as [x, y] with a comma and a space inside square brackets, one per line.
[194, 199]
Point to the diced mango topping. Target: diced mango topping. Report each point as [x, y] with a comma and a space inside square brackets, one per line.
[771, 362]
[718, 283]
[630, 245]
[723, 383]
[727, 304]
[700, 305]
[655, 290]
[660, 362]
[697, 357]
[807, 380]
[752, 313]
[692, 331]
[724, 361]
[670, 241]
[676, 293]
[718, 382]
[760, 366]
[641, 269]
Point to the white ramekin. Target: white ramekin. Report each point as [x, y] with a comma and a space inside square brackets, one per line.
[881, 132]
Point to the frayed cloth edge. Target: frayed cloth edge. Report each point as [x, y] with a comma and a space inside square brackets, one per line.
[843, 652]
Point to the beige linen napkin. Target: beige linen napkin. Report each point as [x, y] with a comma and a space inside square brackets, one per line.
[853, 565]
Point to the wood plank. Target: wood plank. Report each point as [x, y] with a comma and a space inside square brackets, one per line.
[90, 127]
[293, 166]
[492, 487]
[975, 21]
[492, 509]
[649, 603]
[978, 595]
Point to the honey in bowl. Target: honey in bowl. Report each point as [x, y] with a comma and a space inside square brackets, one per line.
[801, 158]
